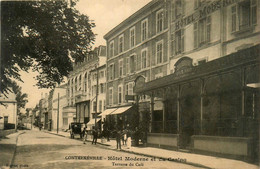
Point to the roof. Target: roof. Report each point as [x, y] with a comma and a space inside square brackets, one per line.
[128, 20]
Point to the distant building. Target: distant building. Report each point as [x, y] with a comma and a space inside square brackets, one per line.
[8, 111]
[81, 90]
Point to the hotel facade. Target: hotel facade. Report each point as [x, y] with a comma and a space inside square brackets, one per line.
[194, 66]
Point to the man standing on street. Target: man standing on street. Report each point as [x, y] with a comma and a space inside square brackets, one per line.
[118, 138]
[95, 135]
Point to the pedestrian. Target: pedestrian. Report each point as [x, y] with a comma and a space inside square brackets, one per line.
[108, 134]
[129, 139]
[118, 138]
[136, 136]
[85, 133]
[124, 137]
[95, 135]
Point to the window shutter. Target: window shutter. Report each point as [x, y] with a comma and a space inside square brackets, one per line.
[113, 71]
[173, 43]
[182, 40]
[208, 28]
[165, 55]
[108, 73]
[138, 62]
[124, 66]
[195, 28]
[148, 58]
[253, 12]
[153, 56]
[173, 11]
[233, 18]
[135, 63]
[183, 7]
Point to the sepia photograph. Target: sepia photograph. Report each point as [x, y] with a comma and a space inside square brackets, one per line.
[106, 84]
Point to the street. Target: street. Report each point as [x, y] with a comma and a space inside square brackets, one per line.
[37, 149]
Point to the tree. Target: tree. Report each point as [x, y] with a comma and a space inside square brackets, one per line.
[21, 98]
[46, 36]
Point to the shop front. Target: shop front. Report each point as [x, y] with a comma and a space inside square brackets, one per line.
[209, 108]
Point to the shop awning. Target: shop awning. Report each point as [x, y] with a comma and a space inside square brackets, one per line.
[92, 121]
[120, 110]
[254, 85]
[107, 112]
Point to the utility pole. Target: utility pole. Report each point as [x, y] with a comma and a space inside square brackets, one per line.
[58, 112]
[96, 99]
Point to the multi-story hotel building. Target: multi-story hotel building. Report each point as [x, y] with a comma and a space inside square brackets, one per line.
[208, 100]
[81, 90]
[136, 47]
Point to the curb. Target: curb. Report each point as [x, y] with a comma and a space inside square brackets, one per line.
[12, 161]
[166, 159]
[142, 154]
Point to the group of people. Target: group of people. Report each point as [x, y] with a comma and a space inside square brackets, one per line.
[125, 136]
[94, 133]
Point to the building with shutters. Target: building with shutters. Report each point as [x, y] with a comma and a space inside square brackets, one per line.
[138, 46]
[207, 102]
[82, 85]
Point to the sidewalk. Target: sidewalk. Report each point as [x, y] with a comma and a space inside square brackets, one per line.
[182, 157]
[8, 148]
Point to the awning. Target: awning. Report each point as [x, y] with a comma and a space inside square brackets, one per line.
[92, 121]
[120, 110]
[107, 112]
[254, 85]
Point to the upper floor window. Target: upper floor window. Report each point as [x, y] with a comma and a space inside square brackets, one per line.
[159, 21]
[202, 31]
[159, 52]
[111, 49]
[177, 9]
[177, 40]
[111, 72]
[101, 74]
[94, 106]
[132, 59]
[120, 94]
[144, 29]
[121, 44]
[130, 88]
[144, 58]
[100, 105]
[243, 15]
[120, 67]
[132, 37]
[102, 88]
[110, 97]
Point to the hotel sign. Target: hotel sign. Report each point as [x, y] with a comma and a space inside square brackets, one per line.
[202, 12]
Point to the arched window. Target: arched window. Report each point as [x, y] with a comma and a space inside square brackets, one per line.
[79, 82]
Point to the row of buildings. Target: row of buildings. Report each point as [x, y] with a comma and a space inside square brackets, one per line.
[186, 70]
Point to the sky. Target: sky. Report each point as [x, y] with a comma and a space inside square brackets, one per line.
[106, 14]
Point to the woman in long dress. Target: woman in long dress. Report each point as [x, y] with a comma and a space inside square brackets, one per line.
[129, 139]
